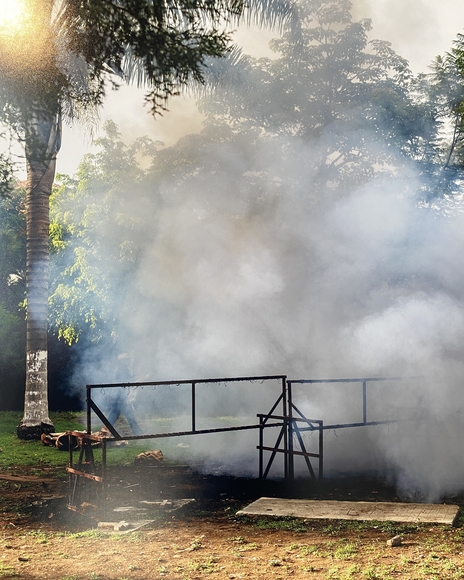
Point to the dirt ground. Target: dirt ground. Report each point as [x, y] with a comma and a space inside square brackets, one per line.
[41, 538]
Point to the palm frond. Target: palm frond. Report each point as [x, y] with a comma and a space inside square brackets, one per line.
[274, 14]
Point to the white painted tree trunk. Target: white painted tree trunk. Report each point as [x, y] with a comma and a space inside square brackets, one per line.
[42, 144]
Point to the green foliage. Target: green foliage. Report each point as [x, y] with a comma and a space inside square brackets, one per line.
[449, 85]
[97, 233]
[7, 181]
[335, 110]
[59, 58]
[440, 96]
[335, 529]
[13, 244]
[281, 523]
[351, 101]
[64, 54]
[341, 96]
[12, 288]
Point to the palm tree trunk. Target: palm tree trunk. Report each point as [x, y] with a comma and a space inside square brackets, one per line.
[42, 145]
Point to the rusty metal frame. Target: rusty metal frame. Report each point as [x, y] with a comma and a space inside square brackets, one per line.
[292, 423]
[85, 466]
[92, 406]
[289, 429]
[294, 430]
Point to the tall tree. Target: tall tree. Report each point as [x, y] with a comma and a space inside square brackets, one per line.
[59, 55]
[445, 91]
[325, 116]
[337, 91]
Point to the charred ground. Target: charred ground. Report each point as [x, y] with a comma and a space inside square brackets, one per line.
[40, 537]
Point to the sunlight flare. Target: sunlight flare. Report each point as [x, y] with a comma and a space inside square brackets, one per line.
[13, 16]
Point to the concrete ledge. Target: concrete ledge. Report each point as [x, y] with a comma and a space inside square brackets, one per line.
[353, 510]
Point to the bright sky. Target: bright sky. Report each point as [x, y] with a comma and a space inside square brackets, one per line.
[10, 15]
[419, 30]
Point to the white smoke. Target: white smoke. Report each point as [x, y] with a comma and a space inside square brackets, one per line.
[236, 279]
[368, 284]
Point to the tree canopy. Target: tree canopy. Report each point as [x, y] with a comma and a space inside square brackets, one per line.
[96, 236]
[67, 52]
[325, 117]
[58, 57]
[335, 89]
[12, 289]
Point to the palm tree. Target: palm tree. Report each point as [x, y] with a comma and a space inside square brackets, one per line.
[60, 57]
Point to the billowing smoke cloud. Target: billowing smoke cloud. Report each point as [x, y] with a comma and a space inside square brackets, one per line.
[365, 284]
[243, 269]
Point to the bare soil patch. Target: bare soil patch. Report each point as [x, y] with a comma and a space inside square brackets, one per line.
[41, 538]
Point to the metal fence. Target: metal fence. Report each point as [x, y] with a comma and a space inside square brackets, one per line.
[284, 415]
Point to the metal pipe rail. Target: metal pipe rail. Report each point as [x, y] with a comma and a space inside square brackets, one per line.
[91, 405]
[294, 430]
[363, 381]
[290, 420]
[85, 467]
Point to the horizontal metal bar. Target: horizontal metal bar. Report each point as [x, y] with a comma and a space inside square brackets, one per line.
[197, 432]
[284, 451]
[346, 425]
[355, 380]
[306, 454]
[187, 382]
[292, 418]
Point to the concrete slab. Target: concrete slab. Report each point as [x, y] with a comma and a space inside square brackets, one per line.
[353, 510]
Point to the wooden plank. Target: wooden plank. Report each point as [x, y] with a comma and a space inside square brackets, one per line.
[84, 474]
[353, 510]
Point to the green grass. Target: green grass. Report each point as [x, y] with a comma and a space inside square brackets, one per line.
[8, 572]
[34, 457]
[278, 523]
[33, 454]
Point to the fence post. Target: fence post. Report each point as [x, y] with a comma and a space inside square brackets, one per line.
[291, 465]
[193, 408]
[364, 401]
[285, 432]
[88, 409]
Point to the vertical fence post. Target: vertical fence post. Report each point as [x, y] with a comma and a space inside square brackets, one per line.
[321, 451]
[193, 407]
[364, 401]
[103, 475]
[291, 465]
[285, 427]
[87, 402]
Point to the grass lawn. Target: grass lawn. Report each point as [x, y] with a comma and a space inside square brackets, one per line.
[33, 457]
